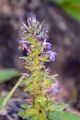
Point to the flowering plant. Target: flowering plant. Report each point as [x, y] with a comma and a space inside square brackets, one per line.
[34, 41]
[37, 80]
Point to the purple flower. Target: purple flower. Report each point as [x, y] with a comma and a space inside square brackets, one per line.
[25, 46]
[47, 44]
[24, 43]
[32, 20]
[51, 55]
[25, 26]
[45, 31]
[34, 27]
[41, 35]
[56, 90]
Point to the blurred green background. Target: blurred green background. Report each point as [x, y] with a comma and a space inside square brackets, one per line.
[71, 7]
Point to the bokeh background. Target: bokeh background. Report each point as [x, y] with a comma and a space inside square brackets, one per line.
[62, 18]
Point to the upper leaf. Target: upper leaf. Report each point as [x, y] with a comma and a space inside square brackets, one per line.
[71, 7]
[7, 74]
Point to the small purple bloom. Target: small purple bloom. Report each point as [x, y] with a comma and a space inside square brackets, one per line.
[33, 24]
[56, 90]
[25, 26]
[24, 43]
[34, 28]
[45, 31]
[25, 46]
[39, 38]
[47, 44]
[21, 31]
[51, 55]
[32, 20]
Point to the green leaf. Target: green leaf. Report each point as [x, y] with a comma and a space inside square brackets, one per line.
[1, 102]
[65, 1]
[26, 106]
[41, 100]
[28, 38]
[72, 10]
[5, 99]
[58, 1]
[47, 81]
[28, 58]
[53, 77]
[59, 107]
[23, 114]
[29, 113]
[71, 7]
[38, 50]
[27, 81]
[31, 88]
[45, 58]
[7, 74]
[62, 116]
